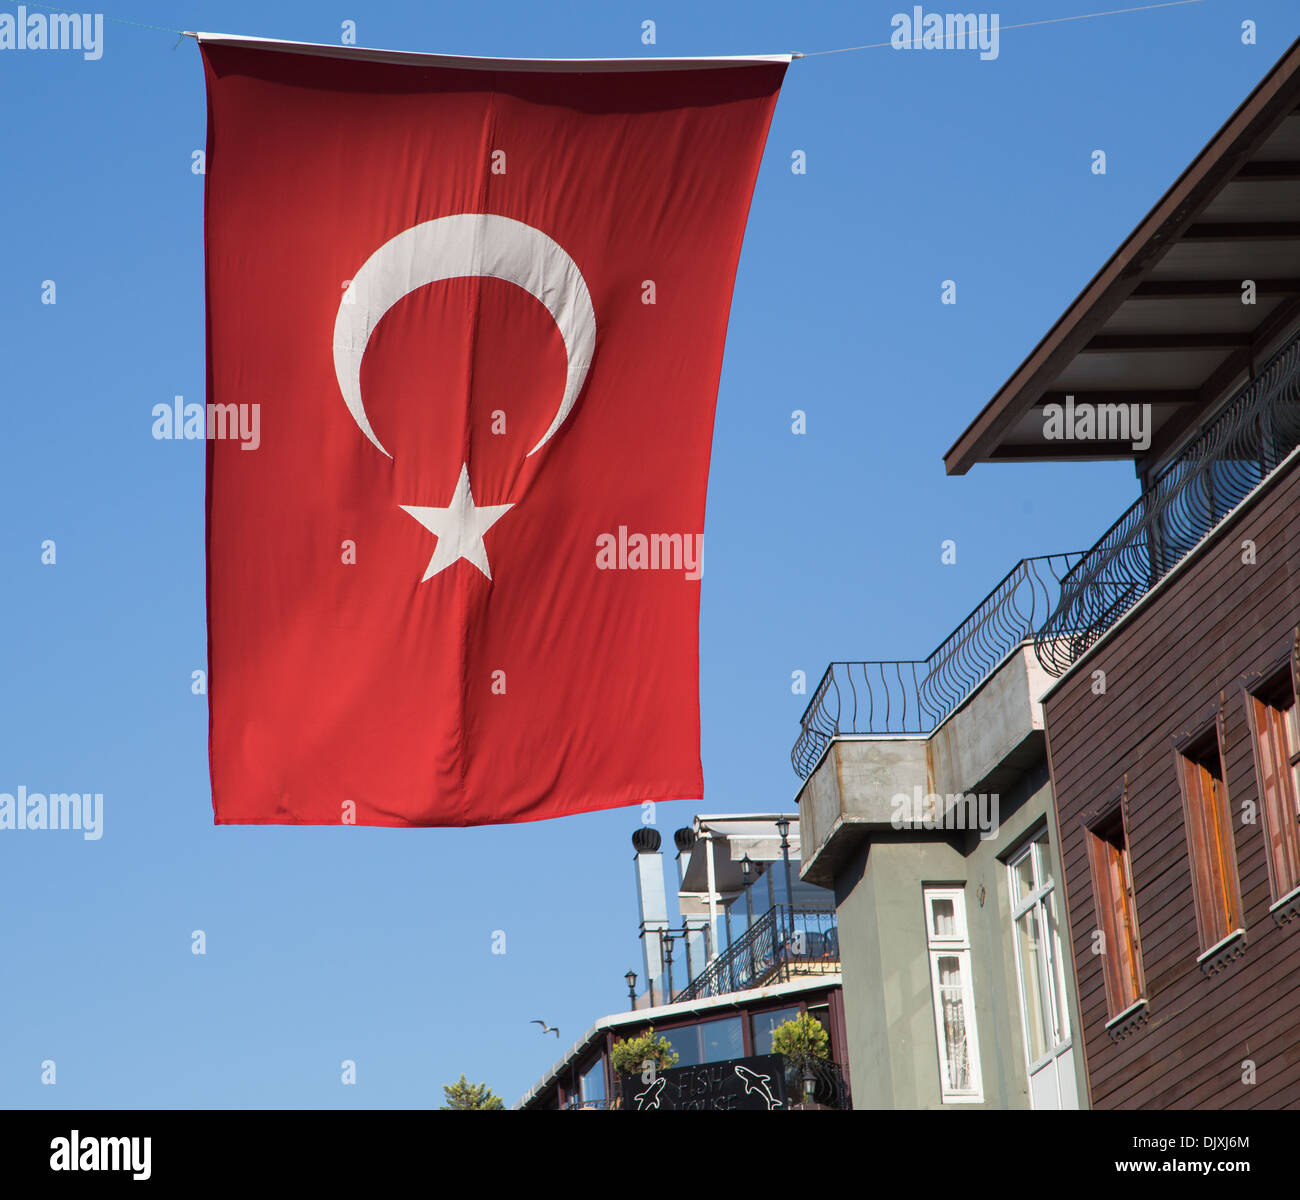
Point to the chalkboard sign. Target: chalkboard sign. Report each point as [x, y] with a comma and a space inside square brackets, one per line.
[756, 1082]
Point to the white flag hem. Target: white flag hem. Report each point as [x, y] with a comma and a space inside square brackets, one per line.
[470, 63]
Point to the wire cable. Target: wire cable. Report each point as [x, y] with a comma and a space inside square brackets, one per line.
[1114, 12]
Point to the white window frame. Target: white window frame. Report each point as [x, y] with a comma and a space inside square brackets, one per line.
[956, 946]
[958, 898]
[1044, 886]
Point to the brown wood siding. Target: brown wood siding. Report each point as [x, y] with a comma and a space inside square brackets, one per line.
[1216, 621]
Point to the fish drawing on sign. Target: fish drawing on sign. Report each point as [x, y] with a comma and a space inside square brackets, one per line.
[754, 1082]
[654, 1091]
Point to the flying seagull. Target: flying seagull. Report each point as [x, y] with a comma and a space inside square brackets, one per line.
[547, 1028]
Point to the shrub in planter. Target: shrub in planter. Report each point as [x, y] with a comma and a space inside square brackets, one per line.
[629, 1055]
[802, 1037]
[803, 1041]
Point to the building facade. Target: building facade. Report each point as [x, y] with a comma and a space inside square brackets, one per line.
[927, 809]
[1174, 644]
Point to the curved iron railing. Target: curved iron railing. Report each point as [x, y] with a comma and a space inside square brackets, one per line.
[781, 943]
[816, 1080]
[1190, 498]
[915, 696]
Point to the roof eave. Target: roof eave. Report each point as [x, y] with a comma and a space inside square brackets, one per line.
[1276, 95]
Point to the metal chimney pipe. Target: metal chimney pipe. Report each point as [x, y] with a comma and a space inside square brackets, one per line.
[652, 903]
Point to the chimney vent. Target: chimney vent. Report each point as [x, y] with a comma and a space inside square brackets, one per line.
[646, 840]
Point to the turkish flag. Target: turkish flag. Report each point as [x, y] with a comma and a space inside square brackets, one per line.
[465, 323]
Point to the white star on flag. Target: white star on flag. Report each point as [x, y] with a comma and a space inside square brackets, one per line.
[459, 528]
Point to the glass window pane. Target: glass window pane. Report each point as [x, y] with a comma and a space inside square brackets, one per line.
[1043, 858]
[763, 1025]
[593, 1083]
[954, 1017]
[1059, 1003]
[1022, 876]
[944, 910]
[723, 1039]
[708, 1041]
[1031, 981]
[821, 1013]
[686, 1041]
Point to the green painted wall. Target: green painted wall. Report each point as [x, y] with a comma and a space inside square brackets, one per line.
[889, 1007]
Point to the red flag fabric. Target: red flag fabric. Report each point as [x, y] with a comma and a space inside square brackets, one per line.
[465, 327]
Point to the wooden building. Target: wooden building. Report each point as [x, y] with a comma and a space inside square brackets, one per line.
[1172, 732]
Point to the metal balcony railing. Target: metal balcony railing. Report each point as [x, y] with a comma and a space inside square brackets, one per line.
[916, 696]
[1236, 452]
[807, 1081]
[817, 1081]
[781, 944]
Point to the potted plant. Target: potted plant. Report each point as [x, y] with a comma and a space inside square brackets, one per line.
[636, 1055]
[803, 1043]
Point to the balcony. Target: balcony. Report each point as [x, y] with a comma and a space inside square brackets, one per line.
[781, 945]
[810, 1083]
[916, 697]
[1189, 499]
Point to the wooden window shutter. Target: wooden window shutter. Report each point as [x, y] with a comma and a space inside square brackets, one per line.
[1134, 943]
[1276, 793]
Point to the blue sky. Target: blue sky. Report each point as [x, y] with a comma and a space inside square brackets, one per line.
[375, 944]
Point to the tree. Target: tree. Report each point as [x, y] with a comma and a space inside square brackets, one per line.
[629, 1055]
[801, 1038]
[465, 1095]
[804, 1043]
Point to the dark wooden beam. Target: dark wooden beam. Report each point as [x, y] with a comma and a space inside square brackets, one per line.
[1269, 172]
[1126, 343]
[1223, 376]
[1244, 231]
[1063, 451]
[1148, 396]
[1210, 289]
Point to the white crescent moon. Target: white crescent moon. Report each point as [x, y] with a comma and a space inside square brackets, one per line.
[450, 248]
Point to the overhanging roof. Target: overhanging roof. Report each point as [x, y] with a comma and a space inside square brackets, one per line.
[753, 834]
[1163, 322]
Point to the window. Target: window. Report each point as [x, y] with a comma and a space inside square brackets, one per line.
[1112, 894]
[954, 1002]
[709, 1041]
[1208, 819]
[766, 1022]
[821, 1013]
[592, 1084]
[1277, 767]
[1040, 961]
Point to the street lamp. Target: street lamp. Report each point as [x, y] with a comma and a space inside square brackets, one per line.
[666, 940]
[630, 980]
[809, 1082]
